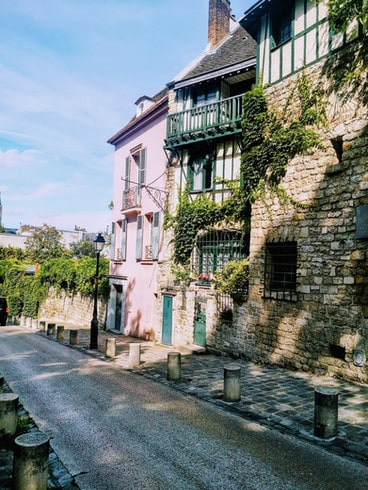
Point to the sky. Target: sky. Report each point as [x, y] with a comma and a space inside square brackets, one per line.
[70, 73]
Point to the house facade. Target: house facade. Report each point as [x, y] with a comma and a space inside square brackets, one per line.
[203, 143]
[137, 217]
[307, 301]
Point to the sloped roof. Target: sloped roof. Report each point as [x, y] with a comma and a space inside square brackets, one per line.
[236, 49]
[160, 98]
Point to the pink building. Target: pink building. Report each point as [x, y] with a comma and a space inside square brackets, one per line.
[137, 217]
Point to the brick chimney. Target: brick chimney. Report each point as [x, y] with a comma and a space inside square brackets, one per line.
[218, 21]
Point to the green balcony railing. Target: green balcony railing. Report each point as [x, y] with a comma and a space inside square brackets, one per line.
[225, 114]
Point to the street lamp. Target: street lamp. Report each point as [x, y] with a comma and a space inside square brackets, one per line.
[99, 243]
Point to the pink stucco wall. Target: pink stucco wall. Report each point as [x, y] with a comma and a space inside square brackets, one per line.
[138, 277]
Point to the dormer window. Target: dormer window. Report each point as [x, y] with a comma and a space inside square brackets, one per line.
[281, 22]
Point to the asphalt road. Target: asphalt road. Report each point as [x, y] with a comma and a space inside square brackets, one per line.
[115, 430]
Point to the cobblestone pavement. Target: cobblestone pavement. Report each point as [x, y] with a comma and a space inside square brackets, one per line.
[274, 396]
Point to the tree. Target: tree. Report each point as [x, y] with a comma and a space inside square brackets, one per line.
[83, 248]
[45, 244]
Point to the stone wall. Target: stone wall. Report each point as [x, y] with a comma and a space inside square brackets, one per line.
[71, 309]
[328, 324]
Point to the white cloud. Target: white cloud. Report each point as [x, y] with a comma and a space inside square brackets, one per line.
[16, 158]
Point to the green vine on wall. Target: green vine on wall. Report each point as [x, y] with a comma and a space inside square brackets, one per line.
[26, 292]
[191, 217]
[271, 139]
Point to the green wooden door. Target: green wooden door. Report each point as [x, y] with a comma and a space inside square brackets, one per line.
[167, 320]
[200, 325]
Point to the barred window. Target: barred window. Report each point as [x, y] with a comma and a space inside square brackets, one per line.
[280, 271]
[216, 248]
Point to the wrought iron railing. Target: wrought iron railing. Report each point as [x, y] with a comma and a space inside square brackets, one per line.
[202, 118]
[131, 197]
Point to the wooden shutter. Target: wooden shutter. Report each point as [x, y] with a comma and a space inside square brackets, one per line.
[155, 235]
[112, 246]
[139, 240]
[127, 174]
[123, 239]
[142, 166]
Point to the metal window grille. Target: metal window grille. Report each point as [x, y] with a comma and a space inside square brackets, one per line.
[216, 248]
[225, 307]
[280, 271]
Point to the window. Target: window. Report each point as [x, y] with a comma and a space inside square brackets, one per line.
[280, 271]
[281, 21]
[200, 173]
[134, 178]
[215, 249]
[148, 236]
[205, 94]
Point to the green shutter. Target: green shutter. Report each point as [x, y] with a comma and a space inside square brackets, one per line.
[155, 235]
[139, 240]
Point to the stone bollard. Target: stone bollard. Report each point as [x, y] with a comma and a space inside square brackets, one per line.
[325, 412]
[30, 463]
[8, 413]
[42, 326]
[173, 366]
[134, 355]
[110, 347]
[1, 383]
[51, 329]
[232, 383]
[60, 332]
[73, 337]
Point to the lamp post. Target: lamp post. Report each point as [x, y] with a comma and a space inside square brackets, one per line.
[99, 243]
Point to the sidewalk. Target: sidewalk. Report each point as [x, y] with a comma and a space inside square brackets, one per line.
[274, 396]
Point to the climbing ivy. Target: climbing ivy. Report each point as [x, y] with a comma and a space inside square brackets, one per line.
[191, 217]
[271, 139]
[25, 292]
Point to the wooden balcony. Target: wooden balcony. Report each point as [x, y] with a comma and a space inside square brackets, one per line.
[216, 119]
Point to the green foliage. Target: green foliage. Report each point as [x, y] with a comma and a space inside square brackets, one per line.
[24, 425]
[191, 217]
[271, 139]
[343, 12]
[181, 273]
[347, 68]
[26, 292]
[11, 253]
[44, 244]
[233, 278]
[83, 248]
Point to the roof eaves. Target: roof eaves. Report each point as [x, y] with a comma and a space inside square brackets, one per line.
[136, 122]
[244, 65]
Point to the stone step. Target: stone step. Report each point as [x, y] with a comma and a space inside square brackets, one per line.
[189, 349]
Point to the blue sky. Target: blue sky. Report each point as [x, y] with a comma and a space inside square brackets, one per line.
[70, 73]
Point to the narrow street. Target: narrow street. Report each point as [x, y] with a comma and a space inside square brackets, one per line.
[115, 430]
